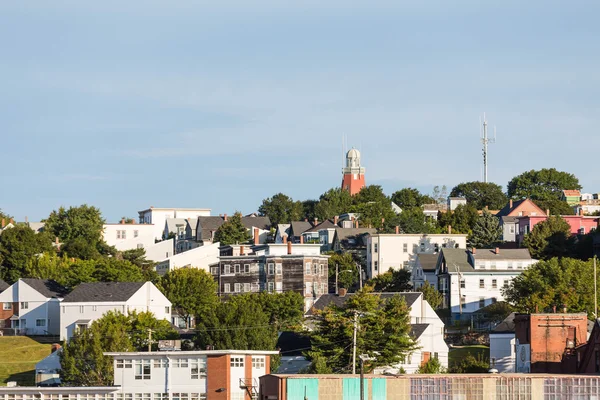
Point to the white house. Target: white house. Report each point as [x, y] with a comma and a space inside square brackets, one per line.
[90, 301]
[426, 328]
[503, 346]
[473, 279]
[201, 257]
[128, 236]
[32, 306]
[424, 270]
[160, 251]
[158, 216]
[454, 202]
[400, 251]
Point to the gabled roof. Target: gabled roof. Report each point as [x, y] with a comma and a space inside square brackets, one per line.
[416, 330]
[428, 261]
[571, 193]
[103, 291]
[509, 220]
[46, 287]
[3, 286]
[208, 224]
[283, 229]
[507, 209]
[192, 222]
[506, 326]
[345, 236]
[503, 254]
[327, 300]
[173, 223]
[327, 224]
[457, 260]
[297, 228]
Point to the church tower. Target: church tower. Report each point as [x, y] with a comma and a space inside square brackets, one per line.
[354, 174]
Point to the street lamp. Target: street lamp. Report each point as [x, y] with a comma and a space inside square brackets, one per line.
[363, 358]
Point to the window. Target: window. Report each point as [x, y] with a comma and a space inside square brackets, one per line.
[160, 363]
[135, 234]
[246, 268]
[582, 231]
[493, 265]
[437, 248]
[270, 286]
[246, 287]
[258, 362]
[494, 284]
[324, 288]
[462, 284]
[278, 287]
[254, 287]
[481, 284]
[123, 363]
[307, 288]
[121, 234]
[315, 269]
[374, 247]
[278, 269]
[237, 268]
[81, 309]
[405, 247]
[237, 287]
[226, 269]
[422, 246]
[463, 301]
[142, 369]
[519, 265]
[24, 305]
[510, 265]
[236, 362]
[198, 369]
[271, 268]
[512, 229]
[308, 269]
[405, 265]
[180, 363]
[435, 355]
[481, 302]
[40, 322]
[226, 288]
[375, 266]
[506, 283]
[7, 306]
[214, 270]
[167, 310]
[119, 363]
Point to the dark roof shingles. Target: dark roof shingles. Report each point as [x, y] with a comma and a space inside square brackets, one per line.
[46, 287]
[333, 299]
[103, 291]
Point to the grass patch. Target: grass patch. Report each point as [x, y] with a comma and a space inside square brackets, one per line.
[479, 351]
[19, 354]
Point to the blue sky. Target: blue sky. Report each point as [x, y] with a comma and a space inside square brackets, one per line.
[220, 104]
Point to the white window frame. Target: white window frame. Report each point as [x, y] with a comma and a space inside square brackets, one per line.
[308, 268]
[278, 269]
[226, 288]
[236, 362]
[258, 362]
[143, 369]
[40, 322]
[7, 306]
[271, 268]
[24, 305]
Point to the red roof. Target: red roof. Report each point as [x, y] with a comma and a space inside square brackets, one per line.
[571, 193]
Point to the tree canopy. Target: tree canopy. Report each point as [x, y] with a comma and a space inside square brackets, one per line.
[431, 295]
[281, 209]
[549, 238]
[410, 197]
[347, 270]
[232, 231]
[487, 232]
[462, 219]
[383, 333]
[333, 202]
[18, 245]
[392, 281]
[373, 206]
[481, 194]
[192, 291]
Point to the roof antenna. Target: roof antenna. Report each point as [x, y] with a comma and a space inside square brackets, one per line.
[485, 141]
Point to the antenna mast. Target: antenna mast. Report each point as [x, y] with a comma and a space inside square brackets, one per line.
[485, 141]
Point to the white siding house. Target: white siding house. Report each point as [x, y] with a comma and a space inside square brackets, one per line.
[90, 301]
[385, 251]
[424, 270]
[33, 306]
[158, 216]
[502, 346]
[128, 236]
[200, 257]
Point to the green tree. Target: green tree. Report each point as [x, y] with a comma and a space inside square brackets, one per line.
[373, 206]
[433, 366]
[232, 231]
[284, 310]
[333, 202]
[347, 270]
[392, 281]
[481, 194]
[410, 197]
[550, 238]
[383, 332]
[462, 219]
[413, 220]
[82, 360]
[470, 364]
[4, 216]
[192, 291]
[556, 283]
[486, 232]
[281, 209]
[545, 187]
[17, 245]
[84, 222]
[309, 209]
[431, 295]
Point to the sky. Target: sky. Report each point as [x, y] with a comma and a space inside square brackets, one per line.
[220, 104]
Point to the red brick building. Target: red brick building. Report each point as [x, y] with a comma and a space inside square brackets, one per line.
[552, 340]
[354, 175]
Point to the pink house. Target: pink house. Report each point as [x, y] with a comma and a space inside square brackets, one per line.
[580, 224]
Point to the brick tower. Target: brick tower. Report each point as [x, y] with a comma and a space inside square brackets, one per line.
[354, 174]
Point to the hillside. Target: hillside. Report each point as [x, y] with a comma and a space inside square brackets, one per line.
[19, 354]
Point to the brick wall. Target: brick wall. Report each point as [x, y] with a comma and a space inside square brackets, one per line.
[217, 376]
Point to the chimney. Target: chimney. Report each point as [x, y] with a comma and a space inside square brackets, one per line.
[554, 309]
[55, 346]
[342, 292]
[382, 221]
[397, 230]
[284, 239]
[510, 204]
[315, 221]
[225, 217]
[356, 224]
[289, 247]
[305, 219]
[256, 237]
[547, 211]
[564, 308]
[122, 221]
[473, 250]
[241, 250]
[581, 211]
[449, 229]
[26, 220]
[3, 222]
[12, 221]
[497, 250]
[336, 220]
[301, 239]
[536, 309]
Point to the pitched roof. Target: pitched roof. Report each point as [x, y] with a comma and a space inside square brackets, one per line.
[457, 260]
[173, 223]
[103, 291]
[46, 287]
[503, 254]
[297, 228]
[416, 330]
[327, 224]
[345, 236]
[338, 301]
[208, 224]
[509, 220]
[3, 286]
[507, 209]
[572, 193]
[284, 229]
[428, 262]
[506, 326]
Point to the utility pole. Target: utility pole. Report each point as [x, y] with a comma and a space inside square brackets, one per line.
[595, 291]
[485, 141]
[362, 378]
[150, 339]
[336, 277]
[354, 342]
